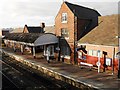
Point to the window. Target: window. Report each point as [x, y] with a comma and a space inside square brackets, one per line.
[90, 52]
[94, 53]
[64, 17]
[80, 55]
[108, 61]
[64, 33]
[100, 54]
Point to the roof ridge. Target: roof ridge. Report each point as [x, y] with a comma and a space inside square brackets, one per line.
[33, 26]
[81, 11]
[79, 6]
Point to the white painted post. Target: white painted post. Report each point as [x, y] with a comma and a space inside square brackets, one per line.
[14, 47]
[34, 52]
[48, 54]
[44, 50]
[98, 63]
[21, 47]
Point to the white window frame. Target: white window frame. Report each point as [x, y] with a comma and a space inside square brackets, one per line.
[64, 18]
[80, 55]
[92, 53]
[64, 29]
[108, 61]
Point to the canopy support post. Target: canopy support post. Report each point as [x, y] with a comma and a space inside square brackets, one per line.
[21, 47]
[14, 47]
[44, 50]
[34, 52]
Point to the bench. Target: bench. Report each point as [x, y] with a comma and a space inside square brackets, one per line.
[86, 64]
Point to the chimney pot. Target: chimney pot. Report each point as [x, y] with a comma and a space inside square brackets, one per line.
[43, 25]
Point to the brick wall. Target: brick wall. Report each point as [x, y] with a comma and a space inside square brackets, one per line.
[73, 25]
[69, 25]
[94, 59]
[108, 49]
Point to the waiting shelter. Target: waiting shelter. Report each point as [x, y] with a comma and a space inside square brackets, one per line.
[20, 40]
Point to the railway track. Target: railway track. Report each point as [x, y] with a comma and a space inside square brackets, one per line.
[23, 77]
[20, 79]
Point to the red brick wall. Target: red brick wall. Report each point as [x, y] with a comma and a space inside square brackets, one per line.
[72, 25]
[94, 59]
[69, 25]
[108, 49]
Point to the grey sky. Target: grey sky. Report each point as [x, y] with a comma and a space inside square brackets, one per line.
[17, 13]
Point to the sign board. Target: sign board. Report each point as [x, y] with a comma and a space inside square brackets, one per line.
[98, 63]
[58, 48]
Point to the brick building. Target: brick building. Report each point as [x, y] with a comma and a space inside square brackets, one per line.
[104, 38]
[72, 23]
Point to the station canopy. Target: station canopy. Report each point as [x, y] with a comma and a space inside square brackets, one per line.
[32, 39]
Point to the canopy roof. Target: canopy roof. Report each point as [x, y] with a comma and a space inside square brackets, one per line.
[35, 39]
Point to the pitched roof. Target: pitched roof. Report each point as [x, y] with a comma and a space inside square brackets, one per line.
[34, 38]
[23, 37]
[33, 29]
[82, 12]
[105, 33]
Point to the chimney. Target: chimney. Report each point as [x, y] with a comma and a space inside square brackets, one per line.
[42, 25]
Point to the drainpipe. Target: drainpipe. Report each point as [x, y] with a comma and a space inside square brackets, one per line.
[104, 65]
[75, 39]
[75, 61]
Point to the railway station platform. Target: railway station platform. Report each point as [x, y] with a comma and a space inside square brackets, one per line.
[83, 78]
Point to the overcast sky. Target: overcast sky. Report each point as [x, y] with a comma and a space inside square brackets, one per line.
[17, 13]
